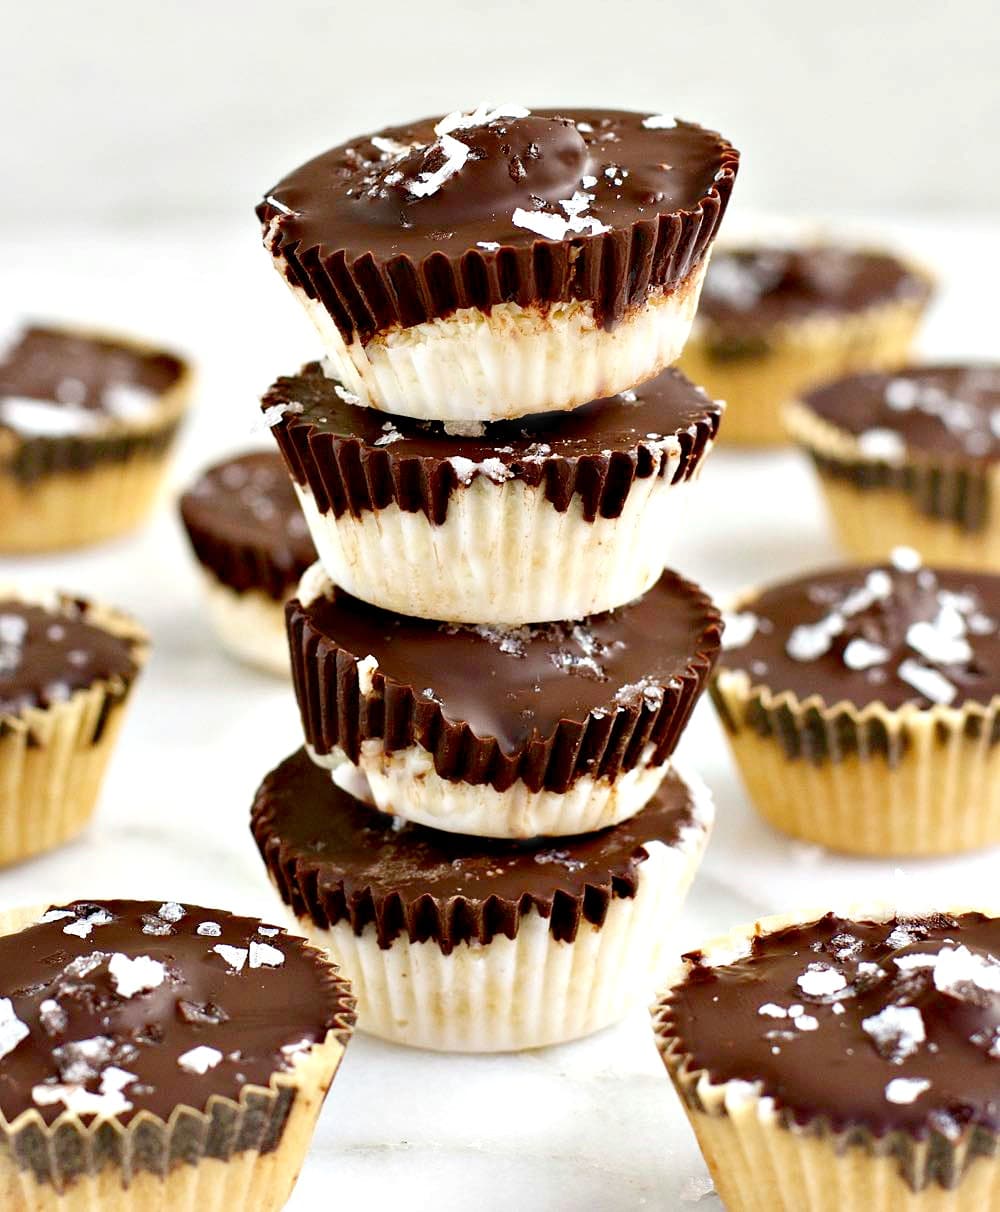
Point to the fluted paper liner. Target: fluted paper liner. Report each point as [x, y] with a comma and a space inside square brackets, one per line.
[66, 491]
[793, 357]
[336, 714]
[764, 1159]
[509, 985]
[866, 780]
[240, 1154]
[52, 759]
[945, 507]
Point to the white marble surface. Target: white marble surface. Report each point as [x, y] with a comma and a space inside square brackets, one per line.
[593, 1125]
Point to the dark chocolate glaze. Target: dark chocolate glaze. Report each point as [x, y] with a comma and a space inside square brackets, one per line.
[838, 1071]
[69, 370]
[749, 291]
[914, 597]
[494, 705]
[48, 654]
[354, 459]
[350, 232]
[335, 859]
[245, 525]
[249, 1015]
[946, 413]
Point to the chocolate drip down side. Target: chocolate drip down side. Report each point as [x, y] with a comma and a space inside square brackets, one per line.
[352, 460]
[335, 859]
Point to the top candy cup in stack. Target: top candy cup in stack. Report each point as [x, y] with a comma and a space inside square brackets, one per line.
[502, 262]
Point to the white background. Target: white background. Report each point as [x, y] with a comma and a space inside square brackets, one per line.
[135, 139]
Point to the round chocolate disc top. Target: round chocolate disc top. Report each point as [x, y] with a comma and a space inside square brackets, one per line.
[405, 878]
[56, 384]
[125, 1006]
[894, 634]
[495, 176]
[356, 458]
[517, 684]
[939, 411]
[749, 290]
[891, 1026]
[47, 654]
[245, 524]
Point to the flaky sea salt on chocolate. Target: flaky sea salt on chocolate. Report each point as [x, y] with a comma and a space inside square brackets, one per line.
[12, 1030]
[897, 1031]
[905, 1090]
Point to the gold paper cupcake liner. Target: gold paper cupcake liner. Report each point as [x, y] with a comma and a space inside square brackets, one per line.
[762, 1160]
[87, 488]
[52, 759]
[875, 781]
[796, 356]
[947, 509]
[230, 1155]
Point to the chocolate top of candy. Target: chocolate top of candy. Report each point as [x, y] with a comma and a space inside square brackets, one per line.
[479, 186]
[748, 290]
[934, 410]
[355, 459]
[49, 652]
[336, 859]
[894, 634]
[127, 1006]
[245, 525]
[893, 1026]
[57, 384]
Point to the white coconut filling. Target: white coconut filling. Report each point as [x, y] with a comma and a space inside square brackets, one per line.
[512, 361]
[503, 554]
[404, 783]
[251, 626]
[532, 990]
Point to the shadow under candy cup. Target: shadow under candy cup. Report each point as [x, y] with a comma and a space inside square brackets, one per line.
[78, 473]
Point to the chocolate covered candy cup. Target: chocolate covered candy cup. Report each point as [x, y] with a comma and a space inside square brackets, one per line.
[547, 517]
[87, 422]
[500, 732]
[471, 944]
[863, 706]
[251, 541]
[68, 670]
[910, 457]
[160, 1057]
[842, 1063]
[502, 262]
[774, 321]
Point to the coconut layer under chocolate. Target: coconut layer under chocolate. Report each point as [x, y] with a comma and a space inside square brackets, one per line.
[418, 221]
[888, 1026]
[354, 459]
[750, 291]
[335, 859]
[546, 703]
[119, 1007]
[74, 400]
[245, 525]
[873, 634]
[48, 653]
[944, 412]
